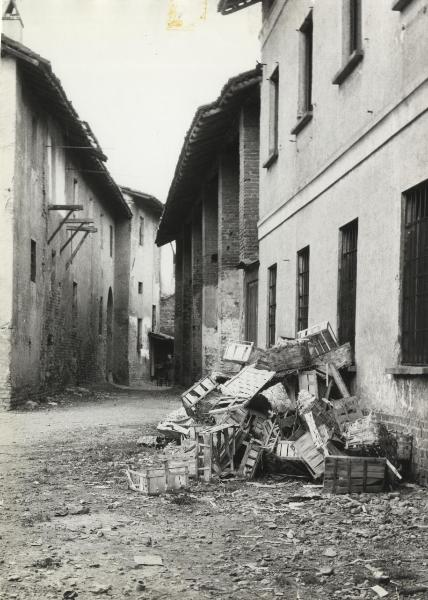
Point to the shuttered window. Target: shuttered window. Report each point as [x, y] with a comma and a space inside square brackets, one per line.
[347, 282]
[415, 277]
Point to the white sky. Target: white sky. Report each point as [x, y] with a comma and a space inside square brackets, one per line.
[135, 81]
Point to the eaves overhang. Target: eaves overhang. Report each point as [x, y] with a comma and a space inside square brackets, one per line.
[46, 88]
[207, 134]
[226, 7]
[147, 201]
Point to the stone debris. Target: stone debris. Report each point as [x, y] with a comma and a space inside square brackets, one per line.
[287, 411]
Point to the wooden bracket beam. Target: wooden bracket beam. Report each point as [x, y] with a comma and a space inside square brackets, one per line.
[65, 207]
[75, 232]
[60, 225]
[79, 245]
[80, 220]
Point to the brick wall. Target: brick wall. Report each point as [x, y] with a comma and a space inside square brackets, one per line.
[210, 352]
[419, 431]
[230, 278]
[248, 182]
[167, 314]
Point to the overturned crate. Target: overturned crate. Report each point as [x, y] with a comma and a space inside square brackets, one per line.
[354, 474]
[159, 480]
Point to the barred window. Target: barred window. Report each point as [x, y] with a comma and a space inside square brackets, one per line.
[414, 346]
[347, 282]
[302, 288]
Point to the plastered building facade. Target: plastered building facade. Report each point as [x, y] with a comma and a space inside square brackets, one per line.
[343, 183]
[68, 249]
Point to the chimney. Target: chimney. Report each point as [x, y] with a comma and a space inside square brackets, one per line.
[12, 24]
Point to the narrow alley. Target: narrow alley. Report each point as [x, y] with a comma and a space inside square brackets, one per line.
[72, 529]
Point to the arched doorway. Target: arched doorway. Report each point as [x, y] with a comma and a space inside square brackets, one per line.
[109, 340]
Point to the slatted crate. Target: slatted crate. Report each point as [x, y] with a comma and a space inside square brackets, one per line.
[172, 476]
[310, 454]
[247, 383]
[354, 474]
[198, 391]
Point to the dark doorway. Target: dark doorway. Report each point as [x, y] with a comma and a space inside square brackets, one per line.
[251, 311]
[109, 339]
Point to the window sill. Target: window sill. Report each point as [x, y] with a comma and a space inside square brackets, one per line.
[400, 4]
[406, 370]
[272, 158]
[355, 58]
[302, 122]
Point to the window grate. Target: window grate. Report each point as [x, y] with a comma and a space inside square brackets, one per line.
[415, 277]
[347, 282]
[302, 288]
[272, 305]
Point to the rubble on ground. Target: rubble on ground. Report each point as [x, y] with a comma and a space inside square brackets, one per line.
[288, 410]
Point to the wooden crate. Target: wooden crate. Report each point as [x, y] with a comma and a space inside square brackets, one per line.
[310, 455]
[346, 410]
[238, 352]
[159, 480]
[247, 382]
[251, 458]
[285, 357]
[404, 445]
[321, 337]
[199, 390]
[354, 474]
[286, 449]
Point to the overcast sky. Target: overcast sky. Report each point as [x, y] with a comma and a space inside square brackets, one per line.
[135, 79]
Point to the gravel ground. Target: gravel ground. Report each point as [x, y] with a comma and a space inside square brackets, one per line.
[72, 529]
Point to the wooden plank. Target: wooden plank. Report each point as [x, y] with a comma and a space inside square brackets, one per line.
[71, 207]
[79, 220]
[339, 381]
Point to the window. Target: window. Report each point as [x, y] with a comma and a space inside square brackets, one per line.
[139, 334]
[348, 243]
[302, 288]
[74, 300]
[75, 191]
[305, 74]
[273, 117]
[140, 287]
[354, 25]
[352, 40]
[33, 260]
[153, 317]
[272, 305]
[141, 232]
[102, 230]
[415, 277]
[111, 240]
[100, 316]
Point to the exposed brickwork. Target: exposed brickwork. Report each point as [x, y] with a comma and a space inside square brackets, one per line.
[249, 183]
[419, 430]
[230, 278]
[167, 314]
[210, 352]
[197, 293]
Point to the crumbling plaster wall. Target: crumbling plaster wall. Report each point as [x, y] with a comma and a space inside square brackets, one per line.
[7, 192]
[56, 337]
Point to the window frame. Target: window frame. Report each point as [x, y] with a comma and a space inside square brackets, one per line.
[407, 362]
[140, 287]
[300, 325]
[139, 334]
[271, 305]
[306, 47]
[348, 227]
[352, 39]
[141, 231]
[33, 260]
[273, 137]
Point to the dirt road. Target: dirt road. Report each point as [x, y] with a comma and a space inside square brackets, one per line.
[72, 529]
